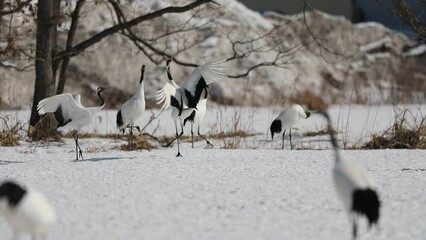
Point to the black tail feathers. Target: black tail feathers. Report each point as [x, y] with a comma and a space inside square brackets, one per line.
[366, 202]
[119, 120]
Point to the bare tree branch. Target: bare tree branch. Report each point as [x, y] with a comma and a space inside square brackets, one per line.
[17, 8]
[406, 13]
[116, 28]
[70, 38]
[138, 41]
[317, 39]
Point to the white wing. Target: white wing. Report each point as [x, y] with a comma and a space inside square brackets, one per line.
[164, 95]
[69, 106]
[77, 98]
[211, 72]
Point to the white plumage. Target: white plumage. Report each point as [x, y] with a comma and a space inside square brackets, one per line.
[188, 96]
[27, 211]
[353, 186]
[287, 119]
[133, 108]
[195, 116]
[69, 112]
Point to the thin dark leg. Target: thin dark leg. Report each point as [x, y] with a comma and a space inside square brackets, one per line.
[177, 139]
[192, 134]
[291, 144]
[76, 148]
[79, 152]
[131, 136]
[354, 228]
[199, 134]
[137, 127]
[282, 147]
[174, 139]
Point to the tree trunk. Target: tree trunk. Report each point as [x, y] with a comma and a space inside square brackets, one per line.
[71, 34]
[56, 17]
[44, 82]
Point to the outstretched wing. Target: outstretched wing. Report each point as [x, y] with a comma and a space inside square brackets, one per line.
[63, 105]
[200, 78]
[210, 72]
[77, 98]
[166, 96]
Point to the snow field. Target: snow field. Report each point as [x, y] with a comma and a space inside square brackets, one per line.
[257, 192]
[216, 193]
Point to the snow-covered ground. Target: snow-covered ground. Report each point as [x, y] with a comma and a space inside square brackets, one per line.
[216, 193]
[261, 192]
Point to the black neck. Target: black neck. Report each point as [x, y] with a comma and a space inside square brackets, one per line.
[102, 99]
[142, 73]
[330, 129]
[333, 138]
[169, 75]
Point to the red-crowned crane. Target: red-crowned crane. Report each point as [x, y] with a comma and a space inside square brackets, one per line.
[70, 114]
[133, 108]
[26, 210]
[287, 119]
[189, 95]
[353, 185]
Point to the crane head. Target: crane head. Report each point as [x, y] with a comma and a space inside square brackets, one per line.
[308, 114]
[168, 62]
[100, 89]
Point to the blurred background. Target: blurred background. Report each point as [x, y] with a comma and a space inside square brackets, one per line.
[317, 52]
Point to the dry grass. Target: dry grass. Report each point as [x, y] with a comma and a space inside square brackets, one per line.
[400, 136]
[45, 129]
[9, 137]
[318, 133]
[96, 135]
[139, 142]
[231, 134]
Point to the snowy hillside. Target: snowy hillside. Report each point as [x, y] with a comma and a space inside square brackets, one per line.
[327, 58]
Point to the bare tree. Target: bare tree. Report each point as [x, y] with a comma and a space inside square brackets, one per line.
[156, 47]
[406, 13]
[51, 57]
[47, 59]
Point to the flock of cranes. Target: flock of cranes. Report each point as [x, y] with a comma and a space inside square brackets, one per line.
[27, 211]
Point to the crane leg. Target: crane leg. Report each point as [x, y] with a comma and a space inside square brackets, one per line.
[354, 228]
[174, 139]
[291, 144]
[177, 139]
[207, 141]
[131, 136]
[77, 146]
[192, 134]
[282, 147]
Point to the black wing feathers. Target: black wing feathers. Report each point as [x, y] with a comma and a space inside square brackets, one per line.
[193, 100]
[119, 119]
[189, 118]
[60, 117]
[13, 193]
